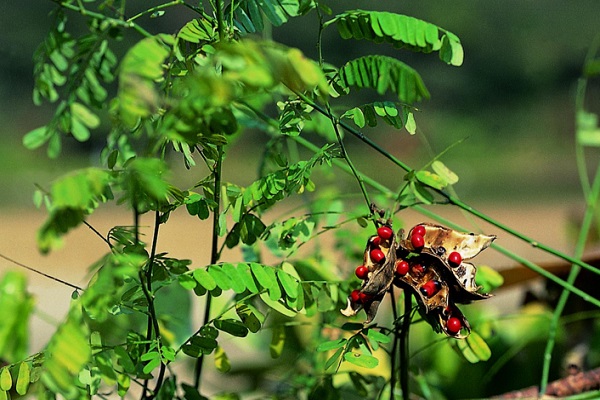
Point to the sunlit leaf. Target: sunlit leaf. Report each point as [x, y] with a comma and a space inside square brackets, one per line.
[332, 344]
[384, 74]
[221, 360]
[361, 360]
[444, 172]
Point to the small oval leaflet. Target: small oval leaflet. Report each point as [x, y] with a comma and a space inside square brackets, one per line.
[361, 360]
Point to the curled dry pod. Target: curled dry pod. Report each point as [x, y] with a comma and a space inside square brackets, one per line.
[442, 242]
[437, 280]
[453, 323]
[378, 281]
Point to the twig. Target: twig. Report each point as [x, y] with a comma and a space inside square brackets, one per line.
[41, 273]
[406, 319]
[214, 256]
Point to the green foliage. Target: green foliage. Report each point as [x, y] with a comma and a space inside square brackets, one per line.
[401, 31]
[384, 73]
[189, 97]
[73, 72]
[16, 304]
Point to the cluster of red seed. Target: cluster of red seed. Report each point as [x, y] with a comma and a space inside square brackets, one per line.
[428, 262]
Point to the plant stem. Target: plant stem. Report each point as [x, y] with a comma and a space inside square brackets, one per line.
[358, 177]
[113, 21]
[214, 254]
[393, 354]
[153, 327]
[591, 195]
[220, 24]
[154, 9]
[404, 345]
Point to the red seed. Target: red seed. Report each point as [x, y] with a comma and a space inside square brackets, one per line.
[402, 268]
[417, 241]
[355, 296]
[385, 232]
[430, 288]
[453, 325]
[377, 255]
[363, 297]
[418, 269]
[419, 230]
[376, 241]
[362, 272]
[454, 258]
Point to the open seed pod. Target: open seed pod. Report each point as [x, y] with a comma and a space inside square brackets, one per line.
[451, 248]
[379, 258]
[430, 263]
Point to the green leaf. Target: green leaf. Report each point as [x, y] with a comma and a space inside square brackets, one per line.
[421, 192]
[277, 306]
[204, 278]
[67, 353]
[36, 138]
[199, 30]
[444, 172]
[378, 337]
[410, 124]
[249, 317]
[5, 379]
[220, 277]
[588, 132]
[153, 361]
[488, 278]
[247, 277]
[200, 345]
[264, 278]
[237, 281]
[221, 360]
[16, 304]
[277, 341]
[452, 51]
[334, 359]
[401, 31]
[187, 281]
[332, 344]
[478, 346]
[431, 179]
[84, 115]
[361, 360]
[140, 68]
[231, 326]
[248, 16]
[384, 74]
[289, 283]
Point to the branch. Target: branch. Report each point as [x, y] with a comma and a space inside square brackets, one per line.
[576, 383]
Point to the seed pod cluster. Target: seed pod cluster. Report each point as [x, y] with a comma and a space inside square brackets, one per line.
[430, 262]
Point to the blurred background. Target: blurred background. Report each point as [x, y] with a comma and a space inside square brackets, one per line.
[511, 107]
[511, 101]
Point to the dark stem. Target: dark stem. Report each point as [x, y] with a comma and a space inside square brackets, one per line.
[394, 352]
[146, 284]
[214, 254]
[404, 344]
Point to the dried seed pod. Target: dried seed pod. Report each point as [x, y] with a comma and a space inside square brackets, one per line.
[430, 263]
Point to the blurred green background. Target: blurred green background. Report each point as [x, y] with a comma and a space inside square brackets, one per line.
[511, 102]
